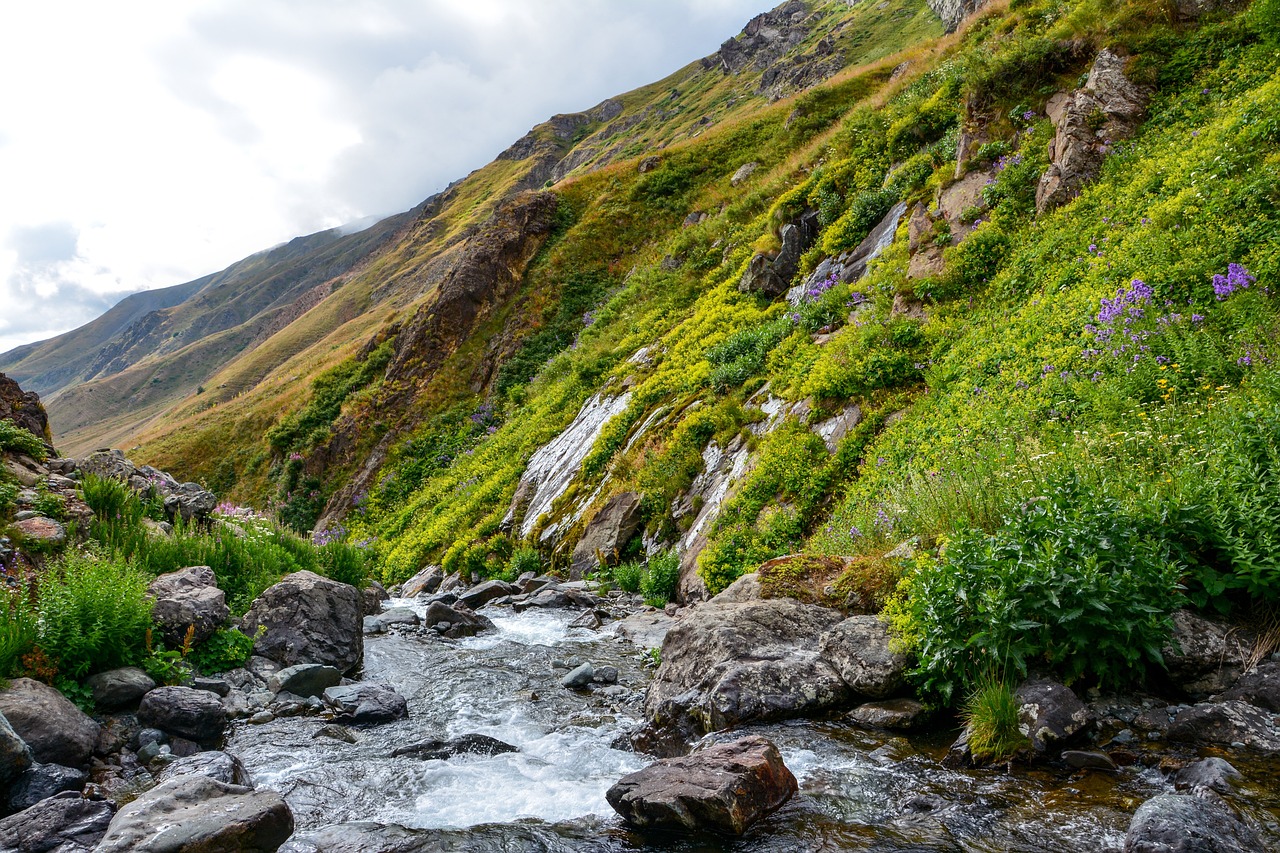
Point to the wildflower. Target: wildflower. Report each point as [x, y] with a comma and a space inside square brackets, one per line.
[588, 318]
[1197, 318]
[1244, 360]
[854, 532]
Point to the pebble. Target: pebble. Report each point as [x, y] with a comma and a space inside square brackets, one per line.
[581, 676]
[262, 717]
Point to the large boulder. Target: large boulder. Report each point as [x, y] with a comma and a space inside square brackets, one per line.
[1259, 686]
[481, 594]
[607, 534]
[723, 788]
[63, 823]
[42, 530]
[57, 731]
[41, 781]
[725, 664]
[188, 599]
[1205, 656]
[15, 755]
[425, 582]
[119, 688]
[858, 649]
[306, 618]
[1229, 723]
[221, 766]
[195, 714]
[1049, 714]
[190, 501]
[24, 409]
[366, 702]
[198, 813]
[1184, 823]
[455, 621]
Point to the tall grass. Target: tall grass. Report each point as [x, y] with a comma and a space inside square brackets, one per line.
[17, 629]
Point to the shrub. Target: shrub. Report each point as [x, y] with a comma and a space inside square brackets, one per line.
[866, 209]
[342, 562]
[525, 560]
[17, 629]
[18, 440]
[94, 613]
[662, 575]
[742, 354]
[226, 649]
[628, 576]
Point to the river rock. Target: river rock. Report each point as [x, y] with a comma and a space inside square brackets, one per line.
[724, 664]
[119, 688]
[1230, 722]
[1049, 714]
[63, 823]
[221, 766]
[1260, 686]
[188, 599]
[646, 629]
[366, 702]
[424, 582]
[858, 649]
[581, 676]
[892, 714]
[1183, 823]
[461, 620]
[15, 755]
[607, 534]
[725, 788]
[1214, 774]
[194, 813]
[1088, 759]
[371, 598]
[472, 744]
[481, 594]
[41, 781]
[1205, 656]
[400, 616]
[304, 679]
[308, 619]
[183, 711]
[57, 731]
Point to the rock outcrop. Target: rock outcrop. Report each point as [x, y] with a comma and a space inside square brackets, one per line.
[188, 501]
[188, 599]
[953, 12]
[307, 618]
[723, 788]
[770, 275]
[608, 532]
[24, 409]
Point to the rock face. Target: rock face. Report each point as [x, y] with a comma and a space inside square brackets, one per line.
[119, 688]
[308, 619]
[1205, 656]
[725, 788]
[24, 409]
[196, 812]
[188, 598]
[64, 823]
[607, 534]
[41, 529]
[424, 582]
[1171, 823]
[57, 731]
[194, 714]
[1107, 110]
[952, 12]
[366, 702]
[15, 755]
[852, 265]
[770, 275]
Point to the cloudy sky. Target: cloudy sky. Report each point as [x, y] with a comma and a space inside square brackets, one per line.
[144, 144]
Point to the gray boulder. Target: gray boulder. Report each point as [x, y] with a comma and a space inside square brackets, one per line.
[57, 731]
[723, 788]
[194, 812]
[481, 594]
[460, 620]
[858, 649]
[1205, 656]
[41, 781]
[425, 582]
[119, 688]
[1260, 686]
[441, 750]
[304, 679]
[191, 501]
[63, 823]
[607, 534]
[1230, 722]
[188, 599]
[580, 676]
[892, 714]
[39, 529]
[366, 702]
[1183, 823]
[220, 766]
[307, 618]
[1213, 774]
[15, 755]
[1049, 714]
[183, 711]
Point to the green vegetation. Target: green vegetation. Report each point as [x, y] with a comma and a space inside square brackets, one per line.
[15, 438]
[226, 649]
[990, 715]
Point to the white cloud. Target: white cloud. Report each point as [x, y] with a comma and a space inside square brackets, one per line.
[172, 139]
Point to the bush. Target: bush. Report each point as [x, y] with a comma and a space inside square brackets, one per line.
[628, 576]
[94, 614]
[226, 649]
[342, 562]
[742, 355]
[1070, 584]
[525, 560]
[15, 438]
[17, 629]
[866, 209]
[661, 577]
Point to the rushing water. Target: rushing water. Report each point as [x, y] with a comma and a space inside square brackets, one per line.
[858, 790]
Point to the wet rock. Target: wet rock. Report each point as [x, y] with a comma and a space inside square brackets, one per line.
[195, 812]
[589, 620]
[835, 428]
[892, 714]
[15, 755]
[1049, 714]
[42, 530]
[1078, 759]
[373, 625]
[1205, 656]
[220, 766]
[308, 619]
[425, 582]
[770, 275]
[460, 620]
[119, 688]
[210, 684]
[63, 823]
[188, 599]
[41, 781]
[1260, 687]
[1213, 774]
[441, 750]
[606, 675]
[858, 650]
[334, 732]
[56, 730]
[480, 595]
[724, 788]
[1230, 722]
[1178, 823]
[581, 676]
[366, 702]
[607, 534]
[402, 616]
[725, 664]
[304, 679]
[371, 598]
[182, 711]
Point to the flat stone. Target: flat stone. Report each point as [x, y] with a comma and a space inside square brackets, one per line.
[892, 714]
[119, 688]
[304, 679]
[41, 529]
[1228, 723]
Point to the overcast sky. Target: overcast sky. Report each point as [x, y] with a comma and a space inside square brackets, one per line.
[144, 144]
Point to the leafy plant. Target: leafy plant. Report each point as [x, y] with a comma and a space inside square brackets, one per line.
[628, 576]
[18, 628]
[226, 649]
[342, 561]
[662, 575]
[16, 439]
[48, 504]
